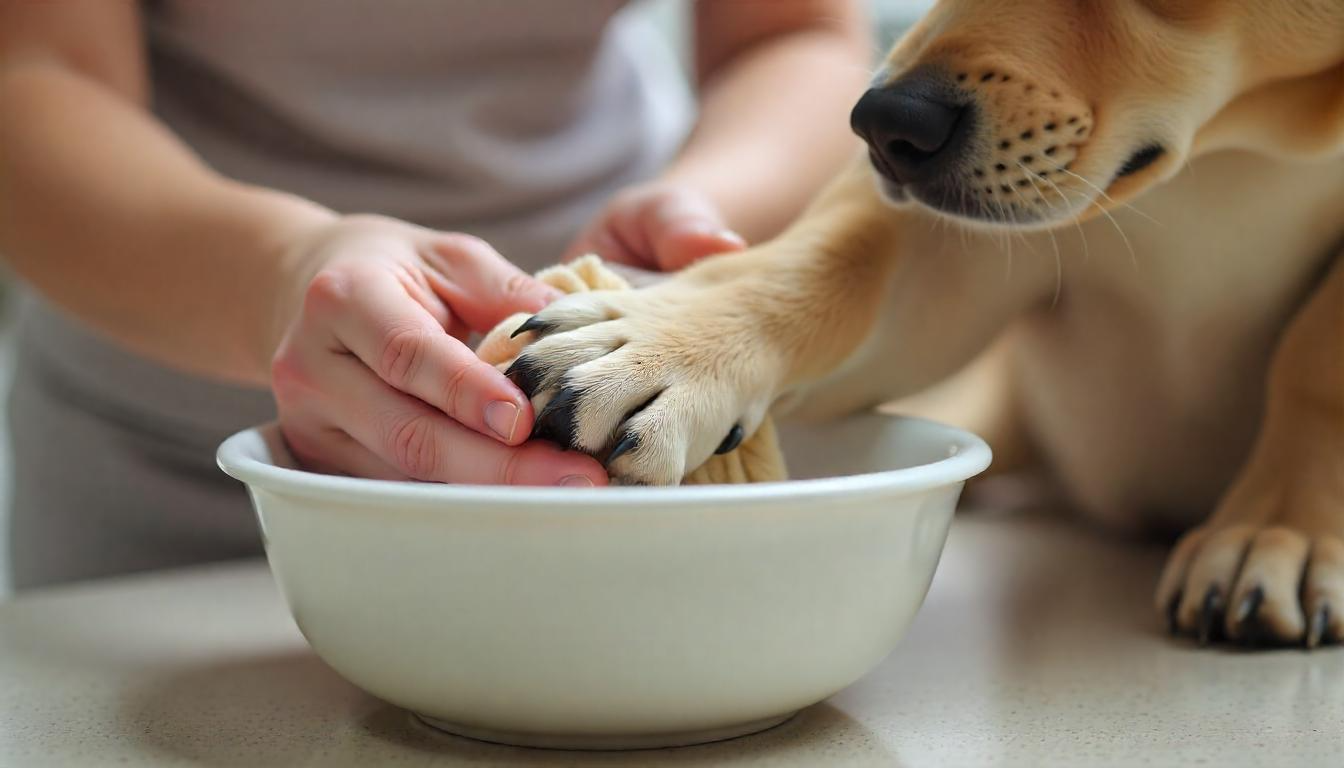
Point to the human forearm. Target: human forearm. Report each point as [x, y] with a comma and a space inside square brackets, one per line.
[109, 216]
[773, 125]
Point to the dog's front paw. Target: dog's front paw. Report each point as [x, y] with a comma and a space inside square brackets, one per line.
[654, 381]
[1271, 585]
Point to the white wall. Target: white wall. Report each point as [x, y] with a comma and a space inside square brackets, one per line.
[889, 16]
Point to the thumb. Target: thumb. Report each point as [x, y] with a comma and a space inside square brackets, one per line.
[482, 287]
[685, 243]
[684, 227]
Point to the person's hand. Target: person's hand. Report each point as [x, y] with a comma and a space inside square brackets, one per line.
[373, 378]
[658, 225]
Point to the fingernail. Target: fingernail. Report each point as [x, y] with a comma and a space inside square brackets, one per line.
[501, 417]
[576, 481]
[731, 236]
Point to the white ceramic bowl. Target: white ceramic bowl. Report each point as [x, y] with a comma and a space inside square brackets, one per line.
[616, 617]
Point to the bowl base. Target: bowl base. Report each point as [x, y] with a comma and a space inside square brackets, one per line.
[605, 742]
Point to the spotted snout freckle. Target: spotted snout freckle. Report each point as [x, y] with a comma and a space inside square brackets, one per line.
[1022, 123]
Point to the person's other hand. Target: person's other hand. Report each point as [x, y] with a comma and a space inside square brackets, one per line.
[372, 376]
[658, 225]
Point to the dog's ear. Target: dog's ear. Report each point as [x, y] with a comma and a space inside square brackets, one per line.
[1301, 117]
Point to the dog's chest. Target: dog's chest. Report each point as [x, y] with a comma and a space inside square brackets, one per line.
[1145, 384]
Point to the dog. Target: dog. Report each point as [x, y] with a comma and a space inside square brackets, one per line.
[1104, 235]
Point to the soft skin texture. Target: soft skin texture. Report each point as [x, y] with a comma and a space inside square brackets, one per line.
[208, 275]
[356, 322]
[1127, 275]
[769, 73]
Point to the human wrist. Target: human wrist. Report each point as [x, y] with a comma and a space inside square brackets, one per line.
[280, 233]
[726, 195]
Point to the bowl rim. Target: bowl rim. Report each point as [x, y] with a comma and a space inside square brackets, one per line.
[968, 456]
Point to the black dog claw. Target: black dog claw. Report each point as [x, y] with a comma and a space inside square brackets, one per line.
[1246, 616]
[1316, 625]
[628, 442]
[1210, 615]
[1245, 619]
[733, 440]
[1173, 613]
[556, 420]
[525, 374]
[1249, 605]
[532, 323]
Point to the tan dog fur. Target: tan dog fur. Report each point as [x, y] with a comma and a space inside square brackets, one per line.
[758, 459]
[1167, 345]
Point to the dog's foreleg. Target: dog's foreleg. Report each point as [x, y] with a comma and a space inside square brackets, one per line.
[1270, 560]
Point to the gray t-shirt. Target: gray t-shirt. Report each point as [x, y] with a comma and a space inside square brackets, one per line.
[510, 119]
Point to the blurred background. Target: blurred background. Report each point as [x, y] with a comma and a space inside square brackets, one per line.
[891, 17]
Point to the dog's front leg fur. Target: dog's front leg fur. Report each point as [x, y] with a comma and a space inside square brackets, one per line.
[1269, 563]
[656, 380]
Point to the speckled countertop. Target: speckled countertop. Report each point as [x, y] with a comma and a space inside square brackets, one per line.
[1036, 647]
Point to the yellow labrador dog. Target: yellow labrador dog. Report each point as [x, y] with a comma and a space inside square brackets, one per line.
[1121, 222]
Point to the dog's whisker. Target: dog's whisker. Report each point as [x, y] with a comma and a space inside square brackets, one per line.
[1087, 253]
[942, 204]
[1007, 218]
[1108, 198]
[961, 231]
[1026, 207]
[1054, 242]
[1133, 258]
[938, 223]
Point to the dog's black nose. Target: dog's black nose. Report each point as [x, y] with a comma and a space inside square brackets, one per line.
[912, 127]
